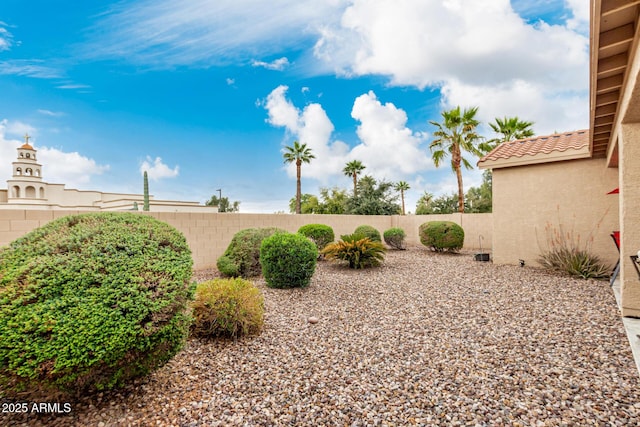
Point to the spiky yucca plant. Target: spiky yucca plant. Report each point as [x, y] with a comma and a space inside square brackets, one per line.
[357, 250]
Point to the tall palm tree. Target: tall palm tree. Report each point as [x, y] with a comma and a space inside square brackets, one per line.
[511, 128]
[298, 153]
[456, 133]
[402, 186]
[353, 169]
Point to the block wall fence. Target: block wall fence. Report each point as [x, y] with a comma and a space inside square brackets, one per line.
[209, 234]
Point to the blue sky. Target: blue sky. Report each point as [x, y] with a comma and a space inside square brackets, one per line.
[204, 94]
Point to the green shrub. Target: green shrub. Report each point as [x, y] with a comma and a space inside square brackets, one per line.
[243, 252]
[227, 267]
[357, 250]
[90, 301]
[288, 260]
[442, 236]
[319, 234]
[370, 232]
[227, 308]
[394, 237]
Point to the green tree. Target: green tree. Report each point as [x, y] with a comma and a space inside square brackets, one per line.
[353, 169]
[479, 199]
[373, 198]
[444, 204]
[298, 154]
[423, 206]
[402, 186]
[509, 129]
[333, 201]
[224, 205]
[309, 204]
[456, 134]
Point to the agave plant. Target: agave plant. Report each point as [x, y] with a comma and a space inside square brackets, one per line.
[359, 251]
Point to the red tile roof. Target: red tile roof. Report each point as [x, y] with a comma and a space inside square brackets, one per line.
[560, 142]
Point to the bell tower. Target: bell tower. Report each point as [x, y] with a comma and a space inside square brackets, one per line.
[26, 183]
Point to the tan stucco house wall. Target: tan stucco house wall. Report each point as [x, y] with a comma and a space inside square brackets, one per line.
[570, 195]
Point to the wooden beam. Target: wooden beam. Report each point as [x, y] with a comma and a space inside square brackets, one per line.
[607, 98]
[611, 6]
[613, 63]
[604, 120]
[619, 35]
[609, 84]
[606, 110]
[602, 129]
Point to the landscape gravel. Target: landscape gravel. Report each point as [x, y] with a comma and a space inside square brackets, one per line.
[425, 339]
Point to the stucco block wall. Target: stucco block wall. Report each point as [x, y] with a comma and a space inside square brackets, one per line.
[570, 194]
[209, 234]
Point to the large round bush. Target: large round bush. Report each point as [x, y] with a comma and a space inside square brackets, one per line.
[227, 308]
[90, 301]
[369, 231]
[242, 257]
[319, 234]
[442, 236]
[288, 260]
[394, 237]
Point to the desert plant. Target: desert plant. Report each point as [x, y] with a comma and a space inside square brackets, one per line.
[288, 260]
[394, 237]
[359, 251]
[145, 206]
[566, 253]
[370, 232]
[227, 308]
[319, 234]
[90, 301]
[244, 252]
[442, 236]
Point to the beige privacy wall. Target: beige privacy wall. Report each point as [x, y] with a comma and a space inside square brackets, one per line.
[208, 234]
[571, 195]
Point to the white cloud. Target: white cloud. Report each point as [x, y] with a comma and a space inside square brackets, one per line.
[581, 12]
[277, 64]
[29, 68]
[6, 38]
[479, 46]
[230, 81]
[165, 33]
[388, 148]
[73, 86]
[156, 169]
[50, 113]
[71, 169]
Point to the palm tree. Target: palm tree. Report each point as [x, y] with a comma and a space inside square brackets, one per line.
[511, 128]
[456, 133]
[402, 186]
[353, 169]
[299, 153]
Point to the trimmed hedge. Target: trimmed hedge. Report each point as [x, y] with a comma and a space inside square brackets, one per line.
[227, 308]
[90, 301]
[288, 260]
[370, 232]
[394, 237]
[442, 236]
[242, 257]
[319, 234]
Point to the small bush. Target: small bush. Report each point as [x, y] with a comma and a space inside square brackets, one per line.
[243, 252]
[394, 237]
[88, 302]
[359, 251]
[227, 267]
[319, 234]
[227, 308]
[370, 232]
[442, 236]
[288, 260]
[565, 253]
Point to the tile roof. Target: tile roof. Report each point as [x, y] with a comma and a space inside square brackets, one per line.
[539, 146]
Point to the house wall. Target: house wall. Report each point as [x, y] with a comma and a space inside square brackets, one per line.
[570, 194]
[209, 234]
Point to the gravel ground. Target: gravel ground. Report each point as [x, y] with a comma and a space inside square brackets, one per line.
[426, 339]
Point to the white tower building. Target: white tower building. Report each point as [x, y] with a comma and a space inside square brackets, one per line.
[27, 186]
